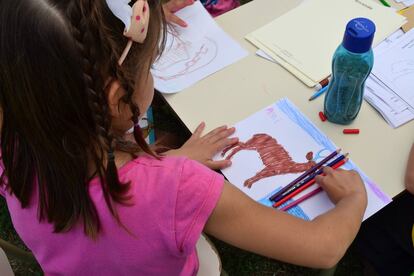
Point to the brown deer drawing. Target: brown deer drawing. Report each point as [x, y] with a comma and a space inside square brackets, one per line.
[276, 159]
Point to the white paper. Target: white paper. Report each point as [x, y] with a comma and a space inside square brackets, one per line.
[263, 54]
[194, 52]
[408, 3]
[287, 133]
[388, 103]
[395, 68]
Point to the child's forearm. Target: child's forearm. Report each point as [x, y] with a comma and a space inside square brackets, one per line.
[409, 173]
[338, 227]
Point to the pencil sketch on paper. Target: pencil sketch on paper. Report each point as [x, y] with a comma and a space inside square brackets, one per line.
[275, 157]
[183, 56]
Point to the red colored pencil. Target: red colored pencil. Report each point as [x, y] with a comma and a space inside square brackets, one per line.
[303, 198]
[310, 182]
[305, 174]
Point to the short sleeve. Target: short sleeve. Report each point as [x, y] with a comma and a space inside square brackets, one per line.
[198, 193]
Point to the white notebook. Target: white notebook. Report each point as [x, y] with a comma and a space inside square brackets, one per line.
[304, 39]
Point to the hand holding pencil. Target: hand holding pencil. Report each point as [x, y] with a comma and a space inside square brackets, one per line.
[339, 184]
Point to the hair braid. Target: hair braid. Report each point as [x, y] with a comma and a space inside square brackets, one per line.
[80, 17]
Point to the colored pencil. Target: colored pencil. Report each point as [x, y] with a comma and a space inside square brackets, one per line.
[310, 177]
[308, 184]
[322, 83]
[318, 93]
[306, 173]
[385, 3]
[301, 199]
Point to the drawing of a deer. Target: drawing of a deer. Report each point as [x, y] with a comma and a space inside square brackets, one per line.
[275, 158]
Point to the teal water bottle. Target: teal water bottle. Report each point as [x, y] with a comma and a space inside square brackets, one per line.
[351, 65]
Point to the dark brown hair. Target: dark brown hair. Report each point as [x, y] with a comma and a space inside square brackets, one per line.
[55, 58]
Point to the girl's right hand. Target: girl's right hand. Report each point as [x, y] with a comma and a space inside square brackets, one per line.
[339, 184]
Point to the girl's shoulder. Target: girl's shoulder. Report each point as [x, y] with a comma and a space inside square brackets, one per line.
[174, 171]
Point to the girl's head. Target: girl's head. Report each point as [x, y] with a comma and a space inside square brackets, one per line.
[65, 102]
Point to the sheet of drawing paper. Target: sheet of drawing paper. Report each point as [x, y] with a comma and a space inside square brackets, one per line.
[304, 39]
[395, 67]
[277, 144]
[194, 52]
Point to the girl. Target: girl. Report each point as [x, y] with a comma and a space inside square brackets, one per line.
[85, 201]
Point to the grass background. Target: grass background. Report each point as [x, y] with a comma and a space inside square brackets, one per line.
[234, 260]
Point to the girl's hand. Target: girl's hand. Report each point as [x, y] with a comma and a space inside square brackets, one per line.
[171, 7]
[203, 148]
[340, 184]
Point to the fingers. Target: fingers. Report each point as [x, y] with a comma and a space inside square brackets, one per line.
[328, 170]
[198, 130]
[220, 136]
[172, 18]
[176, 5]
[320, 180]
[218, 165]
[214, 132]
[225, 143]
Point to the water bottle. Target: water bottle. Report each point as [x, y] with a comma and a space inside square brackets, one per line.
[351, 65]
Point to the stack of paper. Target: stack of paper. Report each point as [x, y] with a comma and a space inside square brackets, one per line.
[390, 87]
[194, 52]
[406, 3]
[304, 39]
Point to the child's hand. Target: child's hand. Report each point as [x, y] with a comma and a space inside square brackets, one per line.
[171, 7]
[203, 148]
[340, 184]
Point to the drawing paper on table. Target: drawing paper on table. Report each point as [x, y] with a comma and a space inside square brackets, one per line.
[276, 145]
[395, 68]
[276, 160]
[194, 52]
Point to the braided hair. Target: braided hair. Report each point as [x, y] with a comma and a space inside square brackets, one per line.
[32, 156]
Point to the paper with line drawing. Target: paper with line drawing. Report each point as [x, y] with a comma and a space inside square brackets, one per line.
[194, 52]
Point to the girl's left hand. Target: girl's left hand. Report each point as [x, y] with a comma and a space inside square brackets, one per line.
[175, 5]
[203, 148]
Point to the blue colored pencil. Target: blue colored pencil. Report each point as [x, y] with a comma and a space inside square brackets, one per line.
[318, 93]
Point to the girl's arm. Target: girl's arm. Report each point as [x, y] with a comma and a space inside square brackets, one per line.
[320, 243]
[409, 173]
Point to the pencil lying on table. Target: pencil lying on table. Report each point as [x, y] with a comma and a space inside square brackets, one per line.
[303, 198]
[306, 185]
[305, 174]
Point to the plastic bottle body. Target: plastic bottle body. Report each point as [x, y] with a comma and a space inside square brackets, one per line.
[345, 93]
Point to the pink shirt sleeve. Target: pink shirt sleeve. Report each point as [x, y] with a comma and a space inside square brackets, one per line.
[198, 193]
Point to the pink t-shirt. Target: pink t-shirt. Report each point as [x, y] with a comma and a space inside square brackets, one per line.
[173, 199]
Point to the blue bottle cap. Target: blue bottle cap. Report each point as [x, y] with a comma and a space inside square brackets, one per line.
[359, 34]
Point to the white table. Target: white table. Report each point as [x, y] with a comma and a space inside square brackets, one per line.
[243, 88]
